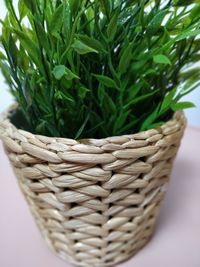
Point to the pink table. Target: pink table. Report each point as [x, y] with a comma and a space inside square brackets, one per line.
[176, 242]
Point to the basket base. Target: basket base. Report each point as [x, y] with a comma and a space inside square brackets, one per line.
[63, 256]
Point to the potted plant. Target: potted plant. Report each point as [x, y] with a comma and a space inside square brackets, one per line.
[97, 123]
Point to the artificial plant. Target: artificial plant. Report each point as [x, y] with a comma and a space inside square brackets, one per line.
[97, 68]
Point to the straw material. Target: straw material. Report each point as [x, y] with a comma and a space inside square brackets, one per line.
[95, 201]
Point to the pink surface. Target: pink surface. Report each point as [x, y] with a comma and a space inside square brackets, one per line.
[176, 242]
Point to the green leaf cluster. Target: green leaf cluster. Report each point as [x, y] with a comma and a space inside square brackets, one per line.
[97, 68]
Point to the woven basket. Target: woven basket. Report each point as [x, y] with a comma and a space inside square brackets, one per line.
[94, 201]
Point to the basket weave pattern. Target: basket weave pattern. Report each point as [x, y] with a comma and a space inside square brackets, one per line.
[95, 201]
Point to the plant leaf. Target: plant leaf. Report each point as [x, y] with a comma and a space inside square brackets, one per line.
[82, 92]
[31, 5]
[125, 59]
[168, 100]
[162, 59]
[78, 134]
[139, 99]
[13, 50]
[2, 56]
[59, 95]
[187, 34]
[156, 22]
[120, 121]
[74, 5]
[129, 126]
[30, 46]
[107, 81]
[69, 75]
[82, 48]
[91, 42]
[150, 119]
[61, 71]
[134, 90]
[56, 21]
[112, 27]
[23, 10]
[182, 105]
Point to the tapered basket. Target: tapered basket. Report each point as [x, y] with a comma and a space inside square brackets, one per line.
[94, 201]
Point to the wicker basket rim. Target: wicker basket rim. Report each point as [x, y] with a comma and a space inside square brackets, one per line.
[4, 118]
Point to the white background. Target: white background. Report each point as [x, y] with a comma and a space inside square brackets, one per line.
[6, 99]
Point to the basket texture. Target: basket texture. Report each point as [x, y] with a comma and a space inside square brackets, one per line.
[94, 201]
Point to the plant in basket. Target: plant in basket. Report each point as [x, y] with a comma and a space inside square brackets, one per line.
[98, 120]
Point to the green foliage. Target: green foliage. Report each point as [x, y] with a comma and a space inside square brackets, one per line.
[95, 68]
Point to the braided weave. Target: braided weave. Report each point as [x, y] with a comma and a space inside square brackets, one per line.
[95, 201]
